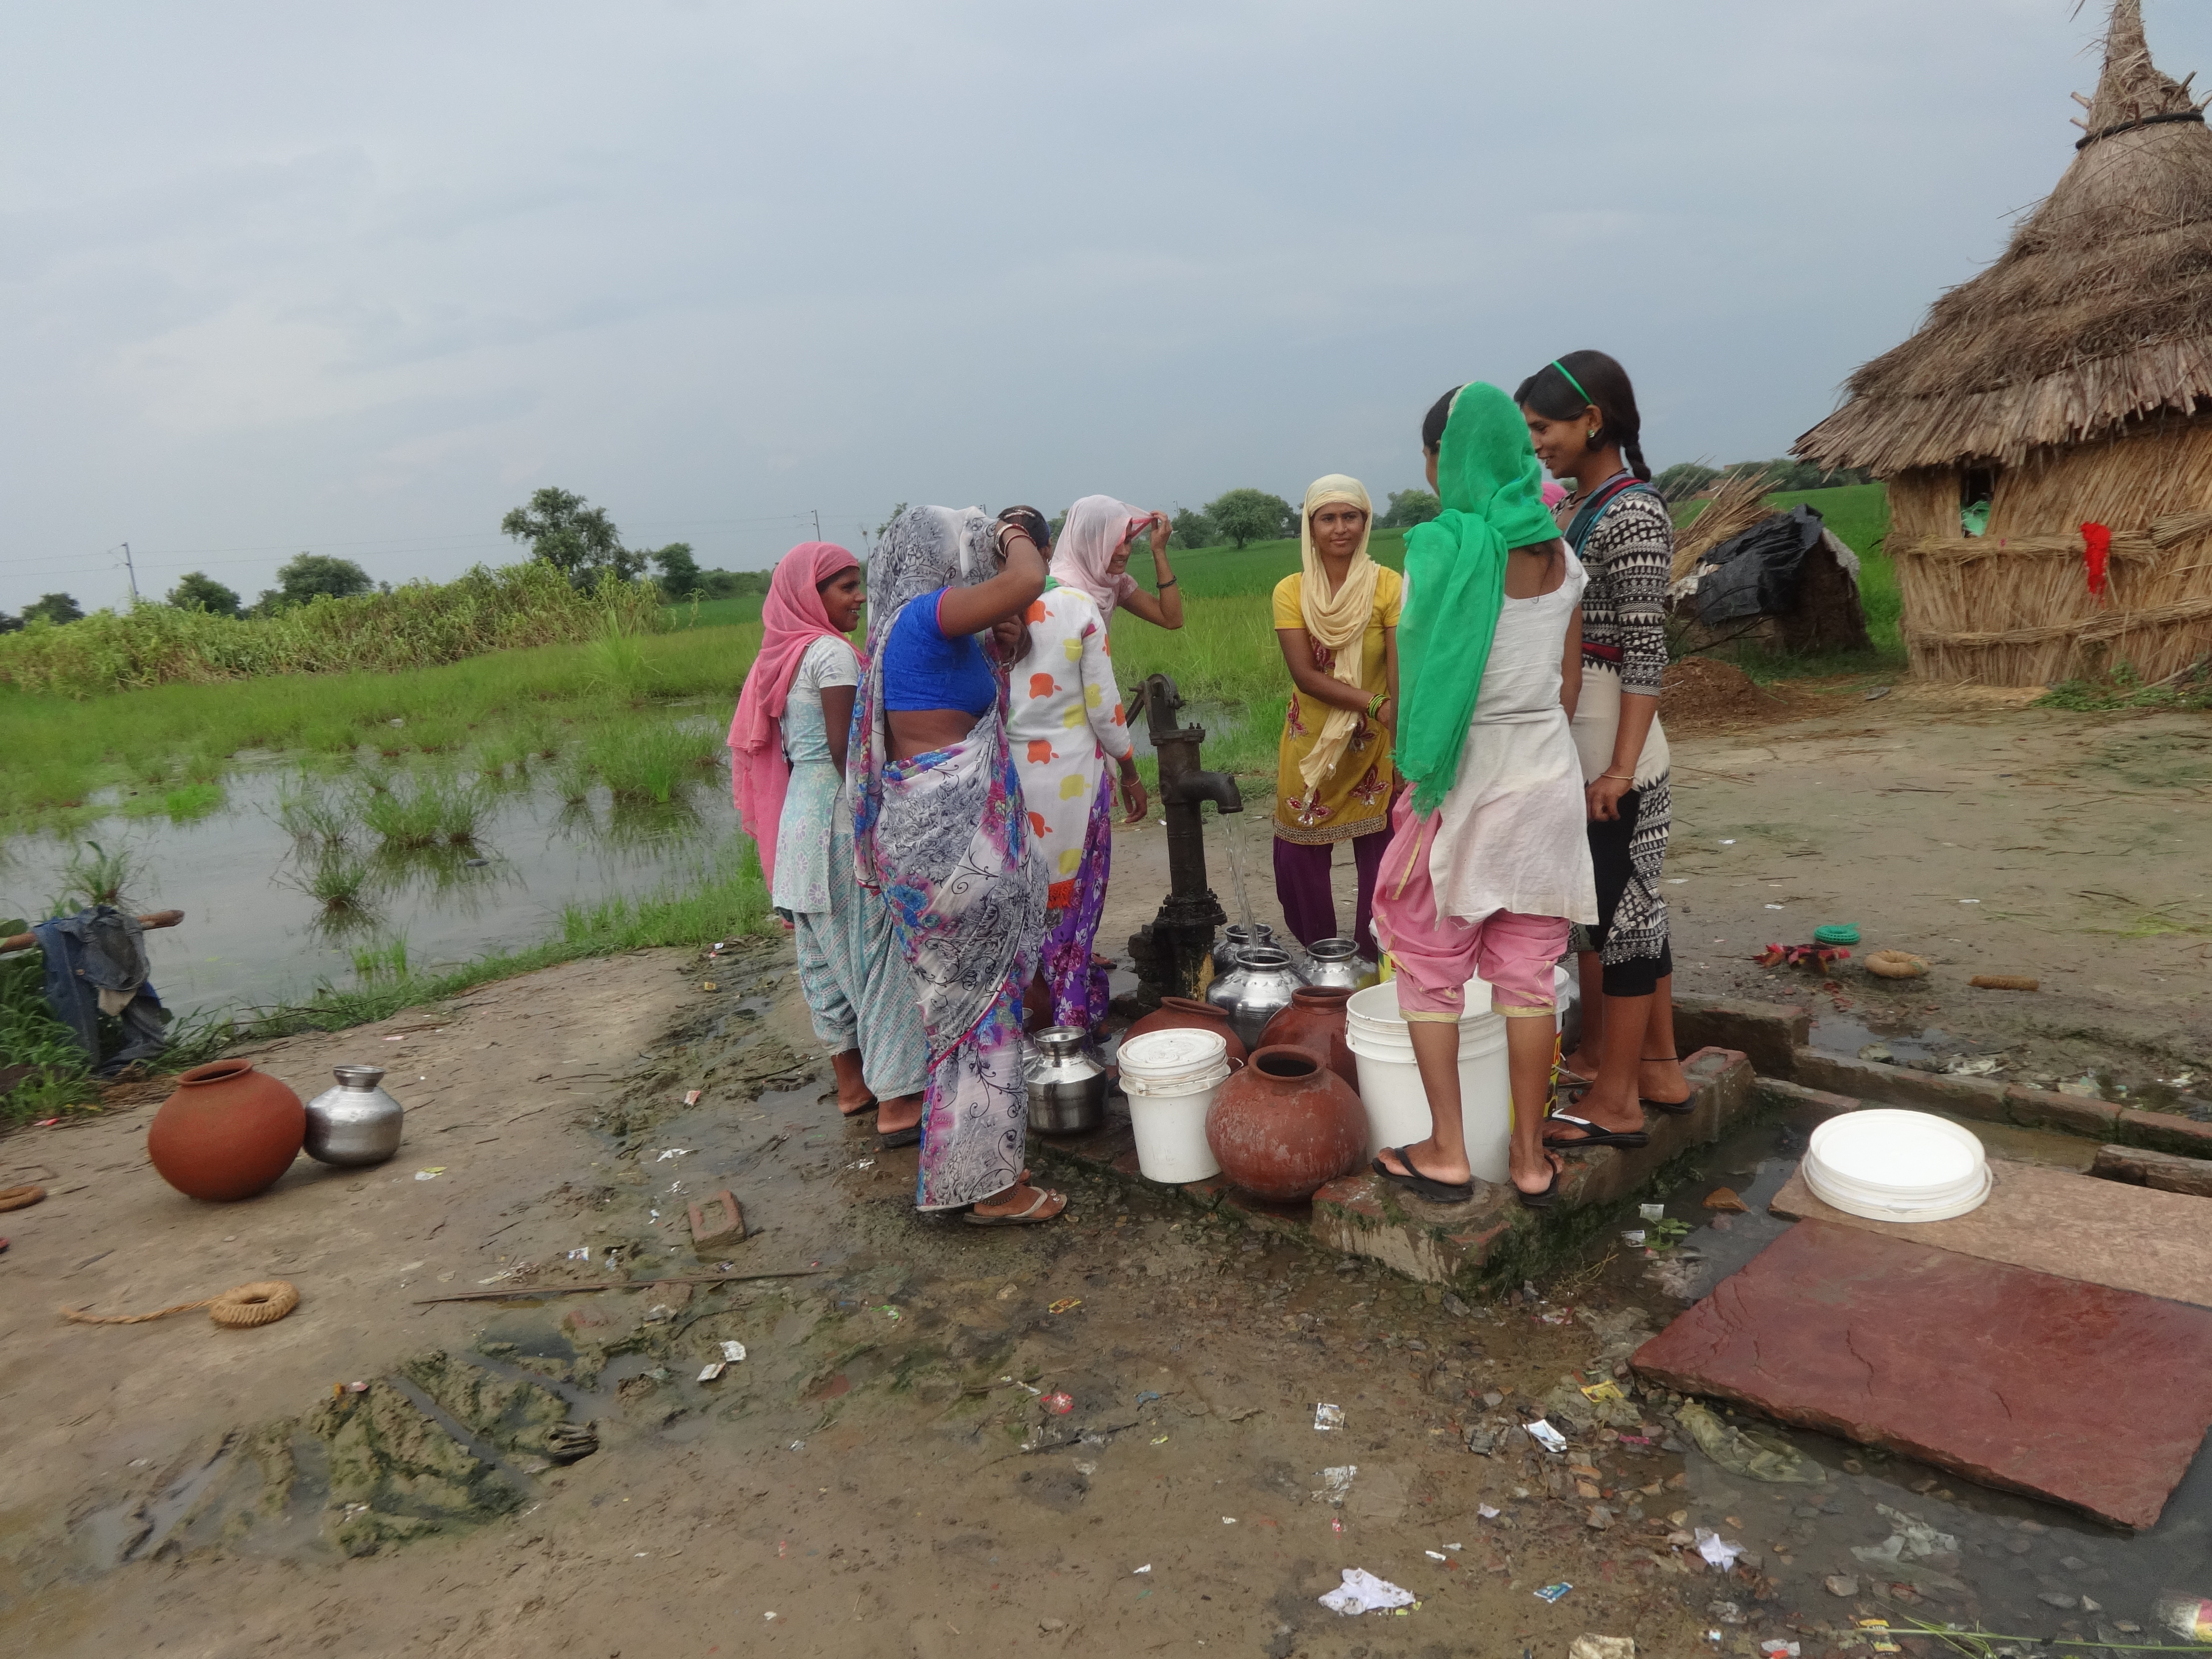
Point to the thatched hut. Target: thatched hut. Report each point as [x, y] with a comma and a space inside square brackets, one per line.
[2068, 384]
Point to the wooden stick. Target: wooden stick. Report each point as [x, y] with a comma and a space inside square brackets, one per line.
[620, 1285]
[159, 919]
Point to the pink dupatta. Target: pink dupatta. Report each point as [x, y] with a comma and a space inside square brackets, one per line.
[792, 619]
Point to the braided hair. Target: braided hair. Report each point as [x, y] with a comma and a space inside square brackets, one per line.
[1557, 397]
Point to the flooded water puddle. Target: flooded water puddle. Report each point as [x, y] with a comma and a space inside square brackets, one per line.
[1885, 1535]
[352, 886]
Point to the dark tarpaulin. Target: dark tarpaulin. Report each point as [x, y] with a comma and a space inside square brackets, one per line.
[1756, 573]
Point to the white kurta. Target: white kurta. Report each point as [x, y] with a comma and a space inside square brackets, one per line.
[1510, 835]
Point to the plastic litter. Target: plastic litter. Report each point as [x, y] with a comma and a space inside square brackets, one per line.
[1329, 1417]
[1601, 1647]
[1065, 1304]
[1602, 1393]
[430, 1174]
[583, 1254]
[1652, 1211]
[1716, 1549]
[691, 1096]
[1147, 1567]
[733, 1351]
[1057, 1403]
[1546, 1435]
[1147, 1398]
[1838, 933]
[1362, 1592]
[1778, 1648]
[1486, 1512]
[2188, 1617]
[1436, 1555]
[1553, 1593]
[713, 1370]
[1769, 1457]
[1633, 1237]
[1336, 1483]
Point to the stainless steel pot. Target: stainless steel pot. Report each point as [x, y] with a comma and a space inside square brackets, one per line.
[356, 1122]
[1067, 1084]
[1255, 990]
[1337, 961]
[1237, 938]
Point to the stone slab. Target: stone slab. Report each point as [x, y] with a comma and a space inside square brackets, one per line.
[1768, 1033]
[2057, 1221]
[2088, 1396]
[1492, 1238]
[2163, 1170]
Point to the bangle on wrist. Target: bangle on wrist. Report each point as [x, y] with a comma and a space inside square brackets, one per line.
[1624, 777]
[1166, 585]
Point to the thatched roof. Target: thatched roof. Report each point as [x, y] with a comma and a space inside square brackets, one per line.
[2098, 314]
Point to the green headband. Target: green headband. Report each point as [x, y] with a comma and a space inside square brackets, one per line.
[1573, 382]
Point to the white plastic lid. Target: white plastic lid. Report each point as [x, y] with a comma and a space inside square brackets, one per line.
[1890, 1165]
[1181, 1058]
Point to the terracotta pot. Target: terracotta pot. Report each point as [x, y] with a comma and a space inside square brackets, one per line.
[228, 1133]
[1285, 1124]
[1314, 1022]
[1187, 1014]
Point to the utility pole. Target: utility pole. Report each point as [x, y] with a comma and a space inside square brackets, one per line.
[133, 570]
[818, 522]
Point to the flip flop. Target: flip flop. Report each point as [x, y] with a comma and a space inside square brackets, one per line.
[1028, 1218]
[890, 1139]
[1549, 1196]
[1421, 1186]
[1594, 1134]
[861, 1110]
[1672, 1108]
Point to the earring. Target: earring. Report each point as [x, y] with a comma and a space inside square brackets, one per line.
[1592, 434]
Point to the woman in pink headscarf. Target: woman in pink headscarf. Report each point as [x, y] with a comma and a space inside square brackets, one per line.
[1065, 722]
[787, 746]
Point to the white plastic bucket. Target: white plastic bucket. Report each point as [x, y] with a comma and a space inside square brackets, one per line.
[1171, 1078]
[1891, 1165]
[1390, 1079]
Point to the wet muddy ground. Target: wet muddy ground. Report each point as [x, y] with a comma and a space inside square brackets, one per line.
[1094, 1437]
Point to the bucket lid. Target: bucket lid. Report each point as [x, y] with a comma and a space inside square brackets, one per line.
[1173, 1062]
[1894, 1165]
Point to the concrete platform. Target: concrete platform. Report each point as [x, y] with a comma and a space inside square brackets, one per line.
[1490, 1241]
[2089, 1396]
[2053, 1221]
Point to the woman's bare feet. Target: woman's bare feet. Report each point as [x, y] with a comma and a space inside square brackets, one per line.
[1532, 1178]
[1662, 1080]
[853, 1095]
[902, 1113]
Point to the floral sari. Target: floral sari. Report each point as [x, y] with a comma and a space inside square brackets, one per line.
[942, 836]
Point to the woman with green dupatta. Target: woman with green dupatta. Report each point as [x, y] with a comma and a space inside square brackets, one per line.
[1488, 863]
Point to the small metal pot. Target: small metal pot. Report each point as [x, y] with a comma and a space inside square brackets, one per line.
[1337, 961]
[1067, 1084]
[1254, 991]
[1237, 938]
[355, 1123]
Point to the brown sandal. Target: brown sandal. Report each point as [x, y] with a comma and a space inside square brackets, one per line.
[1028, 1218]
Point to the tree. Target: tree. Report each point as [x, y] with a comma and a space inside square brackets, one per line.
[56, 608]
[1408, 509]
[1685, 479]
[314, 575]
[1250, 515]
[576, 539]
[680, 575]
[197, 590]
[1190, 528]
[10, 624]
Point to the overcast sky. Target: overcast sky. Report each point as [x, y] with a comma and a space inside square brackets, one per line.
[277, 276]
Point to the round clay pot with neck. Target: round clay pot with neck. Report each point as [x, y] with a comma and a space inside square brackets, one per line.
[1315, 1022]
[1189, 1014]
[1286, 1125]
[228, 1133]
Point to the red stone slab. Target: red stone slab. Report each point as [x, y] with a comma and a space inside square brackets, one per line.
[2092, 1397]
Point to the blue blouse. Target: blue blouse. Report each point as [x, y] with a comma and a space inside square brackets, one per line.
[923, 669]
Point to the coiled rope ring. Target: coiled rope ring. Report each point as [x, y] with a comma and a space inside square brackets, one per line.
[20, 1198]
[262, 1303]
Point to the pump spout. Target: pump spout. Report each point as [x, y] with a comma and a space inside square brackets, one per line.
[1188, 788]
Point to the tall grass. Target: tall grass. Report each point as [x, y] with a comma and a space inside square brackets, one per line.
[95, 876]
[424, 809]
[411, 627]
[652, 759]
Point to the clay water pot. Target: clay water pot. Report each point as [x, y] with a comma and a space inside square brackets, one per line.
[1286, 1125]
[1189, 1014]
[1315, 1022]
[228, 1133]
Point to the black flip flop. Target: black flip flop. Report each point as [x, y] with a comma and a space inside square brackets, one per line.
[858, 1112]
[1436, 1192]
[909, 1136]
[1549, 1196]
[1593, 1134]
[1672, 1108]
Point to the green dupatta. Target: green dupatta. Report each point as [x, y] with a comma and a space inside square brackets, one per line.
[1493, 490]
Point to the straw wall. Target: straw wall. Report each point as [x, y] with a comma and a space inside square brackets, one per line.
[2013, 607]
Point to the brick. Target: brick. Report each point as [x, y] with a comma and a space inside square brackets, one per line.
[717, 1224]
[2043, 1109]
[2163, 1132]
[1981, 1099]
[1769, 1033]
[2164, 1172]
[1773, 1092]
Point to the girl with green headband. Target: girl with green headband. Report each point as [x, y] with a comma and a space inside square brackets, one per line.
[1488, 863]
[1583, 419]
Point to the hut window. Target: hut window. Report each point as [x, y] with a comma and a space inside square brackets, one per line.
[1978, 487]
